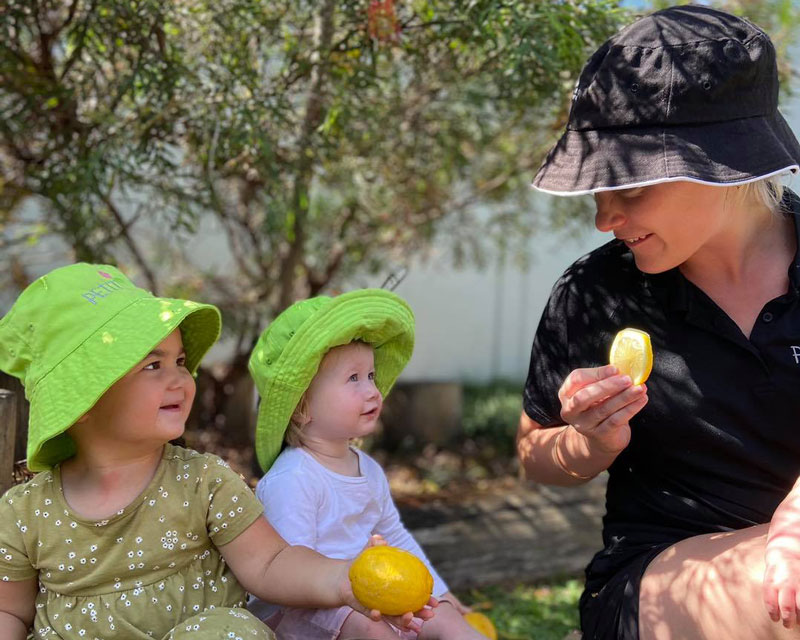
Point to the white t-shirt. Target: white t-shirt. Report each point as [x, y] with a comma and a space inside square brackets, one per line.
[310, 505]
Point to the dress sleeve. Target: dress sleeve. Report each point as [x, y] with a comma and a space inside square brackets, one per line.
[290, 503]
[15, 565]
[392, 528]
[232, 506]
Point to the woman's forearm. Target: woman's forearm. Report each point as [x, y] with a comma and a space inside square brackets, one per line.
[559, 455]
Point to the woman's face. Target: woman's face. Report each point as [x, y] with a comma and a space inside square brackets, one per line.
[663, 225]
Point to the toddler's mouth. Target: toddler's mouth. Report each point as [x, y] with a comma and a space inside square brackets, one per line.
[371, 413]
[171, 407]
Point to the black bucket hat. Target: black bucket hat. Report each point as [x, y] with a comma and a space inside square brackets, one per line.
[687, 93]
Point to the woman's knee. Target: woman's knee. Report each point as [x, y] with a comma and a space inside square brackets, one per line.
[707, 585]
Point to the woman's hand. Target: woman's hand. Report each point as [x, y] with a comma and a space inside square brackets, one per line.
[782, 561]
[599, 404]
[782, 584]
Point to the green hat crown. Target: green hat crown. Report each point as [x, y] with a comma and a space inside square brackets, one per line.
[75, 331]
[289, 351]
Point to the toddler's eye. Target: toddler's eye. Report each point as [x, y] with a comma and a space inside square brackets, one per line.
[371, 375]
[181, 362]
[353, 378]
[153, 366]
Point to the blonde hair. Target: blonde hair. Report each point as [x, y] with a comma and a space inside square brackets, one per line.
[767, 192]
[294, 435]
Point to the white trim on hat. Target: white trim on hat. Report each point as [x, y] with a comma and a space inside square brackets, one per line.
[793, 168]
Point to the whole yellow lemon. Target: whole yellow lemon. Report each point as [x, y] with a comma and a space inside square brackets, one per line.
[481, 623]
[390, 580]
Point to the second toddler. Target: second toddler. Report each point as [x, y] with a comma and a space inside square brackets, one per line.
[322, 369]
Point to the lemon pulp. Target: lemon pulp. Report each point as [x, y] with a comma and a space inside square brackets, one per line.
[632, 354]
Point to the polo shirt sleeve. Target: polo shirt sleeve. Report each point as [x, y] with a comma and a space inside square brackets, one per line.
[232, 505]
[550, 355]
[15, 565]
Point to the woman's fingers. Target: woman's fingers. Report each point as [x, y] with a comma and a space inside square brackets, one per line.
[588, 397]
[787, 604]
[580, 378]
[771, 601]
[591, 415]
[619, 410]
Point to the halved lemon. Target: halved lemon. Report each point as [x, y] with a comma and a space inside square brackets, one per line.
[632, 354]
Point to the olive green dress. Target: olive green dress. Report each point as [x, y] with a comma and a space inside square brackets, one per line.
[150, 571]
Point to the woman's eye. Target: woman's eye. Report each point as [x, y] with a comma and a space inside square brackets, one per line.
[630, 194]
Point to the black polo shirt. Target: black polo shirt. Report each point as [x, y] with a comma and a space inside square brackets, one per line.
[717, 447]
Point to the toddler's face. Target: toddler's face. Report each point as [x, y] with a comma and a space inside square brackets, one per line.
[343, 401]
[151, 402]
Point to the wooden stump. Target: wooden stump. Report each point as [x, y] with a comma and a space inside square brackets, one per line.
[521, 535]
[8, 431]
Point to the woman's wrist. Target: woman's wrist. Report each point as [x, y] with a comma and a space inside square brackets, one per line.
[579, 456]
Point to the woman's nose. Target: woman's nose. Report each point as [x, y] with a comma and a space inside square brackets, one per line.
[608, 216]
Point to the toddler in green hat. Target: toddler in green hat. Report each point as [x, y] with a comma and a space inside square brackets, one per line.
[123, 535]
[322, 369]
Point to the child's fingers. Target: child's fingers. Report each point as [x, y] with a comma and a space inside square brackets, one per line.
[376, 540]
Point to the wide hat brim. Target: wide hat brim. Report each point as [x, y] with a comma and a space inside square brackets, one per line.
[377, 317]
[724, 153]
[74, 385]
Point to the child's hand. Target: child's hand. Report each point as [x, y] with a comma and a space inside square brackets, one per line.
[376, 540]
[409, 621]
[782, 580]
[459, 606]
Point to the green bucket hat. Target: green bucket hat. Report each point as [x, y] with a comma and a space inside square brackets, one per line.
[289, 351]
[74, 332]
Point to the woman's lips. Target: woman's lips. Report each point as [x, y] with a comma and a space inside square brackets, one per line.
[635, 241]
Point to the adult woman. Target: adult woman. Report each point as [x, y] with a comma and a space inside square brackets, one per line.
[674, 129]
